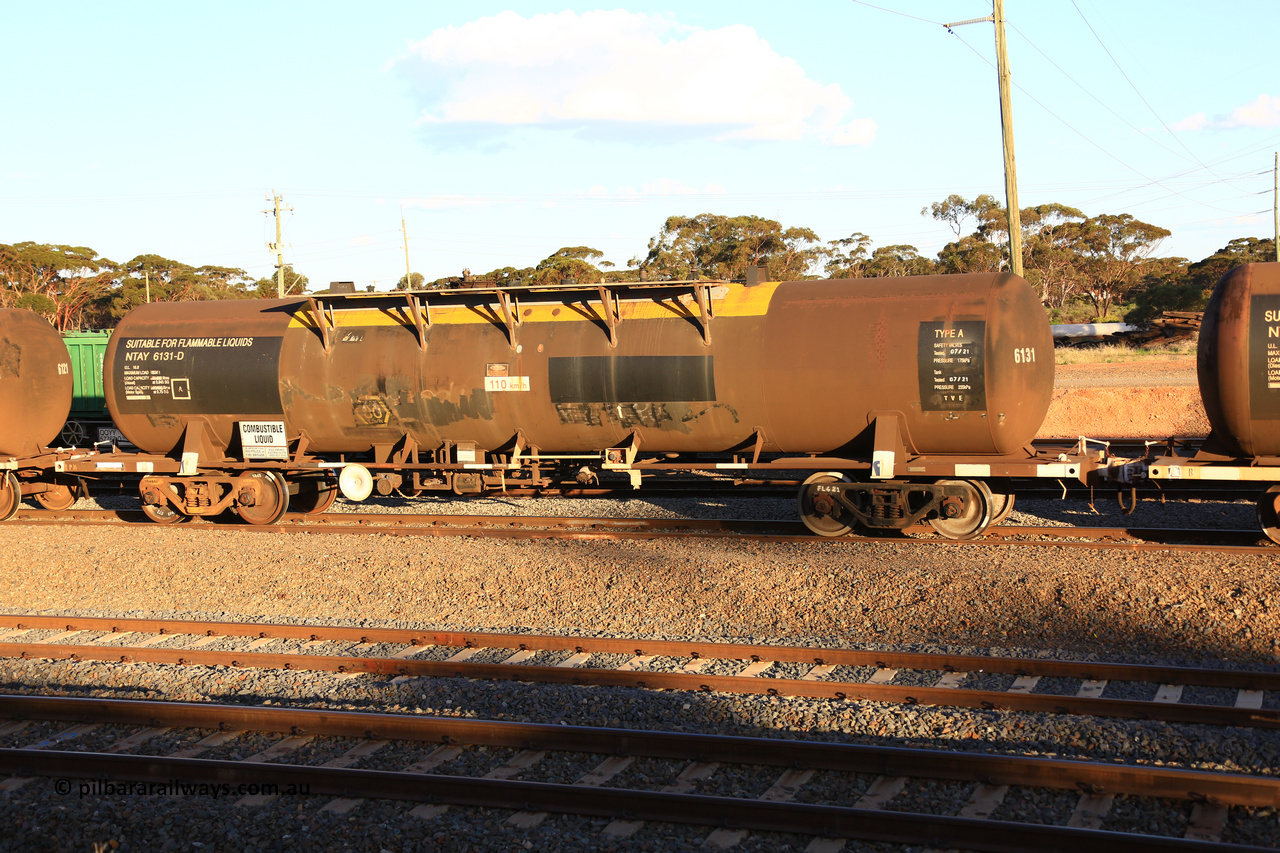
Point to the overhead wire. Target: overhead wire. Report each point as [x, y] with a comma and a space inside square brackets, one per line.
[1137, 91]
[1084, 89]
[1085, 136]
[1162, 183]
[896, 12]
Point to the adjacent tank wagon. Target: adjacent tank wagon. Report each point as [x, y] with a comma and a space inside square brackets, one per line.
[35, 397]
[1238, 362]
[35, 383]
[1238, 368]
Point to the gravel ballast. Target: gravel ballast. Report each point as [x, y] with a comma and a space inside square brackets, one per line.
[1176, 607]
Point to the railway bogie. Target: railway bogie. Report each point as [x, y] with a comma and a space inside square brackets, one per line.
[257, 496]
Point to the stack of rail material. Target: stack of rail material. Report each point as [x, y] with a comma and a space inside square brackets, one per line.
[1171, 326]
[1089, 334]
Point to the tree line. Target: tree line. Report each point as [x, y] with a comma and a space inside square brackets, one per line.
[75, 288]
[1084, 267]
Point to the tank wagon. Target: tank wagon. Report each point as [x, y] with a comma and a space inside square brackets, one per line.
[1238, 369]
[905, 398]
[35, 396]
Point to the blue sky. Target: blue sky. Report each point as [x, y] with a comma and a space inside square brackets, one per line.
[508, 130]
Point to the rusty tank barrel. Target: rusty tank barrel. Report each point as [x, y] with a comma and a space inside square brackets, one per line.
[35, 383]
[1238, 361]
[964, 363]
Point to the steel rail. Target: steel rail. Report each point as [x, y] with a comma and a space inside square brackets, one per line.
[356, 520]
[818, 656]
[693, 809]
[1065, 774]
[572, 527]
[1213, 715]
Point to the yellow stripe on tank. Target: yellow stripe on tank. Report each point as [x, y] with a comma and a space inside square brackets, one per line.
[727, 301]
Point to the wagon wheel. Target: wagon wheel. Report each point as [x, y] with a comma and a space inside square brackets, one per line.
[315, 494]
[270, 500]
[10, 496]
[59, 497]
[1001, 507]
[163, 514]
[973, 518]
[817, 517]
[73, 434]
[1269, 513]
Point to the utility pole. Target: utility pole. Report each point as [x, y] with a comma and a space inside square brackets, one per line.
[408, 274]
[1006, 132]
[276, 247]
[1014, 212]
[1275, 206]
[146, 276]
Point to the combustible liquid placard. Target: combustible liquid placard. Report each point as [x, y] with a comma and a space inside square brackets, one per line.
[263, 440]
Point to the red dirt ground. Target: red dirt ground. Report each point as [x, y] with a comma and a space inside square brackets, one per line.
[1146, 406]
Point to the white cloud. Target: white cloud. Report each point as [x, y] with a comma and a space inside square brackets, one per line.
[1264, 111]
[1198, 121]
[611, 72]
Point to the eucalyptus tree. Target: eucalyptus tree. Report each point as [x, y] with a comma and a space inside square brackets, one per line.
[58, 281]
[723, 247]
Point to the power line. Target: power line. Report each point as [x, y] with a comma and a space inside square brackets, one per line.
[1136, 91]
[896, 12]
[1086, 138]
[1082, 88]
[1063, 121]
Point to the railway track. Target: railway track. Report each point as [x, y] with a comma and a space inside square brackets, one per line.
[1127, 691]
[808, 792]
[712, 488]
[574, 527]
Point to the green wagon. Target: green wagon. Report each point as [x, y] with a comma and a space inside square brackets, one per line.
[88, 421]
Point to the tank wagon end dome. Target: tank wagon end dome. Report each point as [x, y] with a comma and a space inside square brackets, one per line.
[1238, 361]
[964, 363]
[35, 382]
